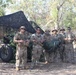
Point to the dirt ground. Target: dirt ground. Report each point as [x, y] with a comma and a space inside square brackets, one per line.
[49, 69]
[58, 68]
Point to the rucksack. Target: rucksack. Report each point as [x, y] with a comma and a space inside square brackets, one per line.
[51, 45]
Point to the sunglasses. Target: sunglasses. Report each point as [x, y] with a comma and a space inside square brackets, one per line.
[23, 28]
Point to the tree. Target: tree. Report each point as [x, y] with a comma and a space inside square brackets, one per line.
[47, 13]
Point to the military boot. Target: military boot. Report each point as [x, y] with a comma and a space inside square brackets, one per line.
[17, 68]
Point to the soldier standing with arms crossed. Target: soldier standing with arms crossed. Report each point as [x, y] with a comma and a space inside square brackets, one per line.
[21, 47]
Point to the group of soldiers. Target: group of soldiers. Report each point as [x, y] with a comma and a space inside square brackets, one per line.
[22, 42]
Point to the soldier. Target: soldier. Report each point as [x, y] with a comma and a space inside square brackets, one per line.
[47, 35]
[47, 38]
[57, 53]
[21, 40]
[69, 45]
[62, 37]
[54, 34]
[37, 47]
[62, 32]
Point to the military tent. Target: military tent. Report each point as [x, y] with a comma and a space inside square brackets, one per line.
[16, 20]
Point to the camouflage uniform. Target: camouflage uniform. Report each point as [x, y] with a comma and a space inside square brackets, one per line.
[21, 50]
[69, 47]
[37, 48]
[62, 37]
[56, 55]
[47, 37]
[74, 46]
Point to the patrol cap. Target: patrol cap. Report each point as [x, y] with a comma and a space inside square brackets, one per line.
[54, 30]
[62, 29]
[22, 27]
[68, 28]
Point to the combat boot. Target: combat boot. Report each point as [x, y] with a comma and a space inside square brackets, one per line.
[46, 62]
[26, 67]
[17, 68]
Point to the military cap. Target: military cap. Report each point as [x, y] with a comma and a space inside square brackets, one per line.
[54, 30]
[62, 29]
[68, 28]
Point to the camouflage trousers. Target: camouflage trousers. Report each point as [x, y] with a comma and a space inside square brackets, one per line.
[69, 53]
[49, 57]
[36, 53]
[74, 46]
[21, 56]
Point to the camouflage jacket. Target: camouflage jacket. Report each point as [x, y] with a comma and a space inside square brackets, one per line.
[20, 36]
[56, 36]
[46, 37]
[37, 38]
[71, 36]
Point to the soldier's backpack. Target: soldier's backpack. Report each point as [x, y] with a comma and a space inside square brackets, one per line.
[51, 45]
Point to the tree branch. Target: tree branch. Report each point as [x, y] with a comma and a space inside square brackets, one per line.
[58, 7]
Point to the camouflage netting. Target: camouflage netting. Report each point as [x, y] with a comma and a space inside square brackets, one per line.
[35, 25]
[16, 20]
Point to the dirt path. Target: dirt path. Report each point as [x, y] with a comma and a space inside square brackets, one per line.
[49, 69]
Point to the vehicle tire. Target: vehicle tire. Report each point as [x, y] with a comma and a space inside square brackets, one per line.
[6, 53]
[0, 53]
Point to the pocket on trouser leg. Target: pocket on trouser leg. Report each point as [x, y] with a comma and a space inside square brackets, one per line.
[17, 63]
[18, 57]
[18, 60]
